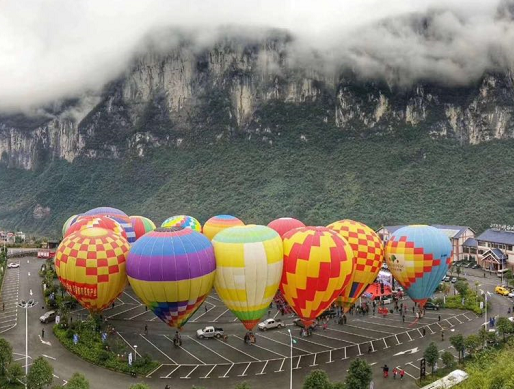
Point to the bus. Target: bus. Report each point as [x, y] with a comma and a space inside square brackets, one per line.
[452, 379]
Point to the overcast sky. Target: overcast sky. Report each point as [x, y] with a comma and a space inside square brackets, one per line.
[50, 49]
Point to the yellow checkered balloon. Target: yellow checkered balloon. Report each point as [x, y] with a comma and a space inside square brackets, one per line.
[91, 264]
[368, 254]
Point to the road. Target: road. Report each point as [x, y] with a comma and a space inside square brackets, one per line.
[214, 363]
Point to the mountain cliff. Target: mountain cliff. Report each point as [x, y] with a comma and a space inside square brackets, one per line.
[244, 128]
[188, 95]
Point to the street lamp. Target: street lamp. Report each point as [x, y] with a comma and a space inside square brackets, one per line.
[291, 357]
[135, 352]
[26, 305]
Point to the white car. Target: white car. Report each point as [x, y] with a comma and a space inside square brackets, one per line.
[268, 324]
[13, 265]
[511, 294]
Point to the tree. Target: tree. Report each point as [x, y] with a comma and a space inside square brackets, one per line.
[458, 270]
[482, 334]
[431, 355]
[40, 374]
[457, 342]
[359, 375]
[318, 379]
[77, 381]
[14, 373]
[5, 354]
[472, 342]
[445, 288]
[462, 287]
[504, 326]
[143, 386]
[448, 359]
[242, 385]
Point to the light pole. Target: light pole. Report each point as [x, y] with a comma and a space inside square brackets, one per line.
[291, 357]
[26, 305]
[135, 352]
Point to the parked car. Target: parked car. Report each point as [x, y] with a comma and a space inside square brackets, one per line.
[298, 322]
[269, 324]
[48, 317]
[446, 279]
[475, 266]
[431, 306]
[501, 290]
[209, 332]
[454, 280]
[13, 265]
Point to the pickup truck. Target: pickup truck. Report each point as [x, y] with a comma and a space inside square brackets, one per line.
[209, 332]
[268, 324]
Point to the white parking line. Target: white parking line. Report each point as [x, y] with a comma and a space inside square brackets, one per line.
[209, 373]
[410, 375]
[126, 310]
[241, 351]
[136, 300]
[329, 337]
[211, 350]
[158, 349]
[217, 317]
[369, 329]
[183, 349]
[188, 374]
[264, 348]
[207, 311]
[173, 371]
[139, 314]
[350, 333]
[285, 344]
[244, 371]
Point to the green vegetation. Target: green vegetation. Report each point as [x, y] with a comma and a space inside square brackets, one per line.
[40, 374]
[471, 299]
[431, 355]
[332, 175]
[111, 354]
[77, 381]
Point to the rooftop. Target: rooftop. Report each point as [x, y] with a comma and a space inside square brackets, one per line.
[496, 236]
[452, 231]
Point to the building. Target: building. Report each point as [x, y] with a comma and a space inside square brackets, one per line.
[457, 235]
[494, 248]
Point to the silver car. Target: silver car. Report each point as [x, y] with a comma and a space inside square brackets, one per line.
[48, 317]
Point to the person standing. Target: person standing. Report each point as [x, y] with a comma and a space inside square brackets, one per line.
[395, 372]
[402, 373]
[146, 329]
[42, 333]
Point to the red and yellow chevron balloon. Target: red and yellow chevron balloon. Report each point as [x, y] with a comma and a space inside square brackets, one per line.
[318, 265]
[368, 254]
[91, 264]
[96, 221]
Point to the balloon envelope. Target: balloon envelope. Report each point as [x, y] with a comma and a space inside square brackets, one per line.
[418, 257]
[183, 221]
[318, 265]
[68, 223]
[248, 270]
[90, 263]
[218, 223]
[141, 225]
[285, 224]
[120, 216]
[172, 272]
[368, 254]
[96, 221]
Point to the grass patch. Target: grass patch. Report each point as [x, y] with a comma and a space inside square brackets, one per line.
[111, 354]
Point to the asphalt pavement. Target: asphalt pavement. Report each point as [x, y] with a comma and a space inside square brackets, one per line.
[215, 363]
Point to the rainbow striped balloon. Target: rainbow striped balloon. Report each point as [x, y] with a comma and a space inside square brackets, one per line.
[141, 225]
[183, 221]
[248, 270]
[218, 223]
[172, 271]
[115, 214]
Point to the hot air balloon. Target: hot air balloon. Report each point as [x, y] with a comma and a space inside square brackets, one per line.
[318, 265]
[183, 221]
[141, 225]
[172, 271]
[90, 263]
[96, 221]
[285, 224]
[218, 223]
[368, 254]
[248, 270]
[120, 216]
[418, 256]
[68, 223]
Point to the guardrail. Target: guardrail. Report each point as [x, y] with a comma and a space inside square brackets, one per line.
[18, 254]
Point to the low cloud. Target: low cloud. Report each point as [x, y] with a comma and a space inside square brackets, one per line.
[55, 49]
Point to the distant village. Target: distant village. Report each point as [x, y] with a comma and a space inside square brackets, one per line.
[12, 237]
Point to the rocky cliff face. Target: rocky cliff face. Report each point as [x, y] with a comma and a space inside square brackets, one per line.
[187, 96]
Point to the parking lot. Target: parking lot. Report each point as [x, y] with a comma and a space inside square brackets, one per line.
[9, 301]
[217, 358]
